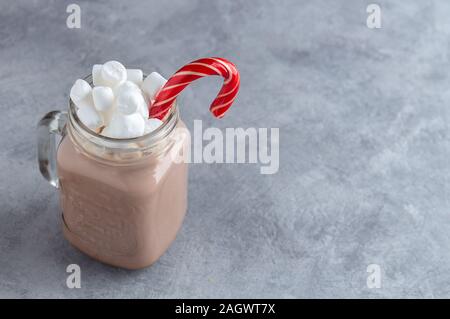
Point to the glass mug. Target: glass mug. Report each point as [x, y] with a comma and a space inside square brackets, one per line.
[123, 200]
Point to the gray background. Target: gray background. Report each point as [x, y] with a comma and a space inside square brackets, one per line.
[364, 147]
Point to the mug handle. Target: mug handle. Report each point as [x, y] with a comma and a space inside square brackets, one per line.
[51, 125]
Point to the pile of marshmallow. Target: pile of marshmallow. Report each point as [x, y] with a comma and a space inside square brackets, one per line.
[117, 105]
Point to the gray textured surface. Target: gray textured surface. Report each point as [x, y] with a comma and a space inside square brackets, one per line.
[364, 138]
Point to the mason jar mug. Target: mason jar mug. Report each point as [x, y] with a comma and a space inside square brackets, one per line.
[122, 200]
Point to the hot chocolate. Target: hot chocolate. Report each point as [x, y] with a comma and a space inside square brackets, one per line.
[121, 212]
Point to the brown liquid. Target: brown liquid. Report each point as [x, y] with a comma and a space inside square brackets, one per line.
[123, 215]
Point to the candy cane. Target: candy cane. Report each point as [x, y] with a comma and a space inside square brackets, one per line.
[191, 72]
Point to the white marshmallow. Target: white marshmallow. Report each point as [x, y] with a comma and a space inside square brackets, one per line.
[135, 75]
[113, 73]
[87, 101]
[152, 84]
[97, 78]
[125, 126]
[151, 125]
[126, 86]
[130, 101]
[103, 97]
[80, 91]
[144, 111]
[90, 117]
[108, 114]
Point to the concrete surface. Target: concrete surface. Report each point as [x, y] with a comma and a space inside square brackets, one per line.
[364, 147]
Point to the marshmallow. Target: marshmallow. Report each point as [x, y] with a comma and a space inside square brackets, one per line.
[103, 97]
[151, 125]
[107, 115]
[130, 101]
[144, 111]
[113, 73]
[97, 78]
[90, 117]
[125, 126]
[126, 86]
[80, 91]
[87, 101]
[118, 105]
[152, 84]
[135, 75]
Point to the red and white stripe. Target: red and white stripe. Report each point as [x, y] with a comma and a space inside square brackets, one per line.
[191, 72]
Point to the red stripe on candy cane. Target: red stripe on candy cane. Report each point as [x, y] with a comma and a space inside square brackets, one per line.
[208, 66]
[160, 103]
[236, 86]
[191, 72]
